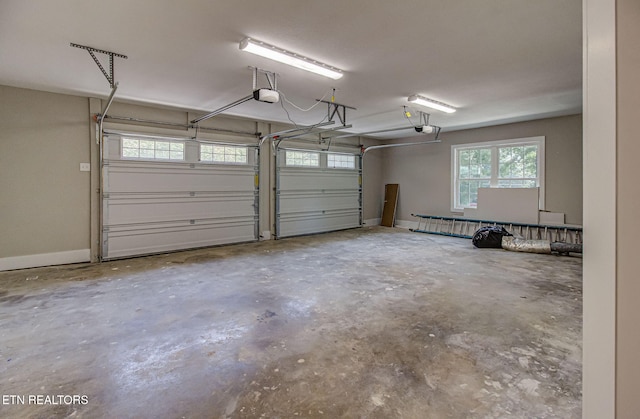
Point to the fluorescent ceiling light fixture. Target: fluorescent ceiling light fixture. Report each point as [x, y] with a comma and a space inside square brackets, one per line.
[420, 100]
[293, 59]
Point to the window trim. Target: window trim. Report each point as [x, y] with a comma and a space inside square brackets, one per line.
[246, 148]
[155, 140]
[317, 153]
[353, 156]
[539, 141]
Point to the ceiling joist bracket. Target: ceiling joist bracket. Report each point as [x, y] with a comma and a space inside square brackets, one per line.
[424, 118]
[110, 75]
[272, 78]
[334, 109]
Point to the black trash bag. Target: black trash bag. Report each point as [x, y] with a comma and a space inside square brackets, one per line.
[489, 237]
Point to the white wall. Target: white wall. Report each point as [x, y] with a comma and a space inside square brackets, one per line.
[424, 172]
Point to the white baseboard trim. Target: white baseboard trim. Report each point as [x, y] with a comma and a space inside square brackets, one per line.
[45, 259]
[372, 222]
[406, 224]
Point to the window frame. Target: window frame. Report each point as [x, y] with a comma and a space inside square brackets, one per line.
[316, 153]
[538, 141]
[123, 138]
[239, 146]
[351, 156]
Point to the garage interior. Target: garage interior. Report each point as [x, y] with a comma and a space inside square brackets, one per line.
[192, 230]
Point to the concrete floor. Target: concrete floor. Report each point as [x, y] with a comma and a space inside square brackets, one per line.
[366, 323]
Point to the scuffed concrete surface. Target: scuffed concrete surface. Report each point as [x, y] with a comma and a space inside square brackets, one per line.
[366, 323]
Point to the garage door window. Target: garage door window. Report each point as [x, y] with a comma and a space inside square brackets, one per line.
[341, 161]
[152, 149]
[302, 158]
[223, 154]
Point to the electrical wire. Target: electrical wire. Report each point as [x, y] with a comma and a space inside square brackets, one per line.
[309, 108]
[304, 110]
[287, 112]
[424, 118]
[304, 131]
[407, 116]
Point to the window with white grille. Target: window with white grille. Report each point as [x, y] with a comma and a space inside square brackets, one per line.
[152, 149]
[341, 161]
[517, 163]
[302, 158]
[223, 154]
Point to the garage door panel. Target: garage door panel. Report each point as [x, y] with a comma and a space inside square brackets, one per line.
[124, 209]
[292, 202]
[139, 176]
[316, 199]
[149, 238]
[158, 206]
[294, 224]
[301, 179]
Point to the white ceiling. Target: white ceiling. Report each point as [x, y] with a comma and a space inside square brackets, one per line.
[497, 61]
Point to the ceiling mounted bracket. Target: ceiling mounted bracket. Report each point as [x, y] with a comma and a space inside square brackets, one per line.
[110, 75]
[334, 109]
[312, 130]
[272, 78]
[287, 131]
[424, 118]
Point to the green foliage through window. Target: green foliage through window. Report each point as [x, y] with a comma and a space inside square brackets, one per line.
[503, 165]
[223, 153]
[341, 161]
[302, 158]
[152, 149]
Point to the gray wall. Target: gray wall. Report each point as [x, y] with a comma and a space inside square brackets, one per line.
[44, 198]
[424, 172]
[373, 194]
[628, 193]
[46, 201]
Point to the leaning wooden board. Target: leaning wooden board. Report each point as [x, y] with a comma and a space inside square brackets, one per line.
[390, 203]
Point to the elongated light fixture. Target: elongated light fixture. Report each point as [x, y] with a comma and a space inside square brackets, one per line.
[420, 100]
[290, 58]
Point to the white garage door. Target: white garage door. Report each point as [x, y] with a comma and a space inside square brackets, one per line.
[162, 194]
[317, 191]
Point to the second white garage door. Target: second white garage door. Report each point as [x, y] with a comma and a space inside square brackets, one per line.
[317, 191]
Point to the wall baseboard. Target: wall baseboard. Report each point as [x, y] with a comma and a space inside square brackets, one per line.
[45, 259]
[406, 224]
[372, 222]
